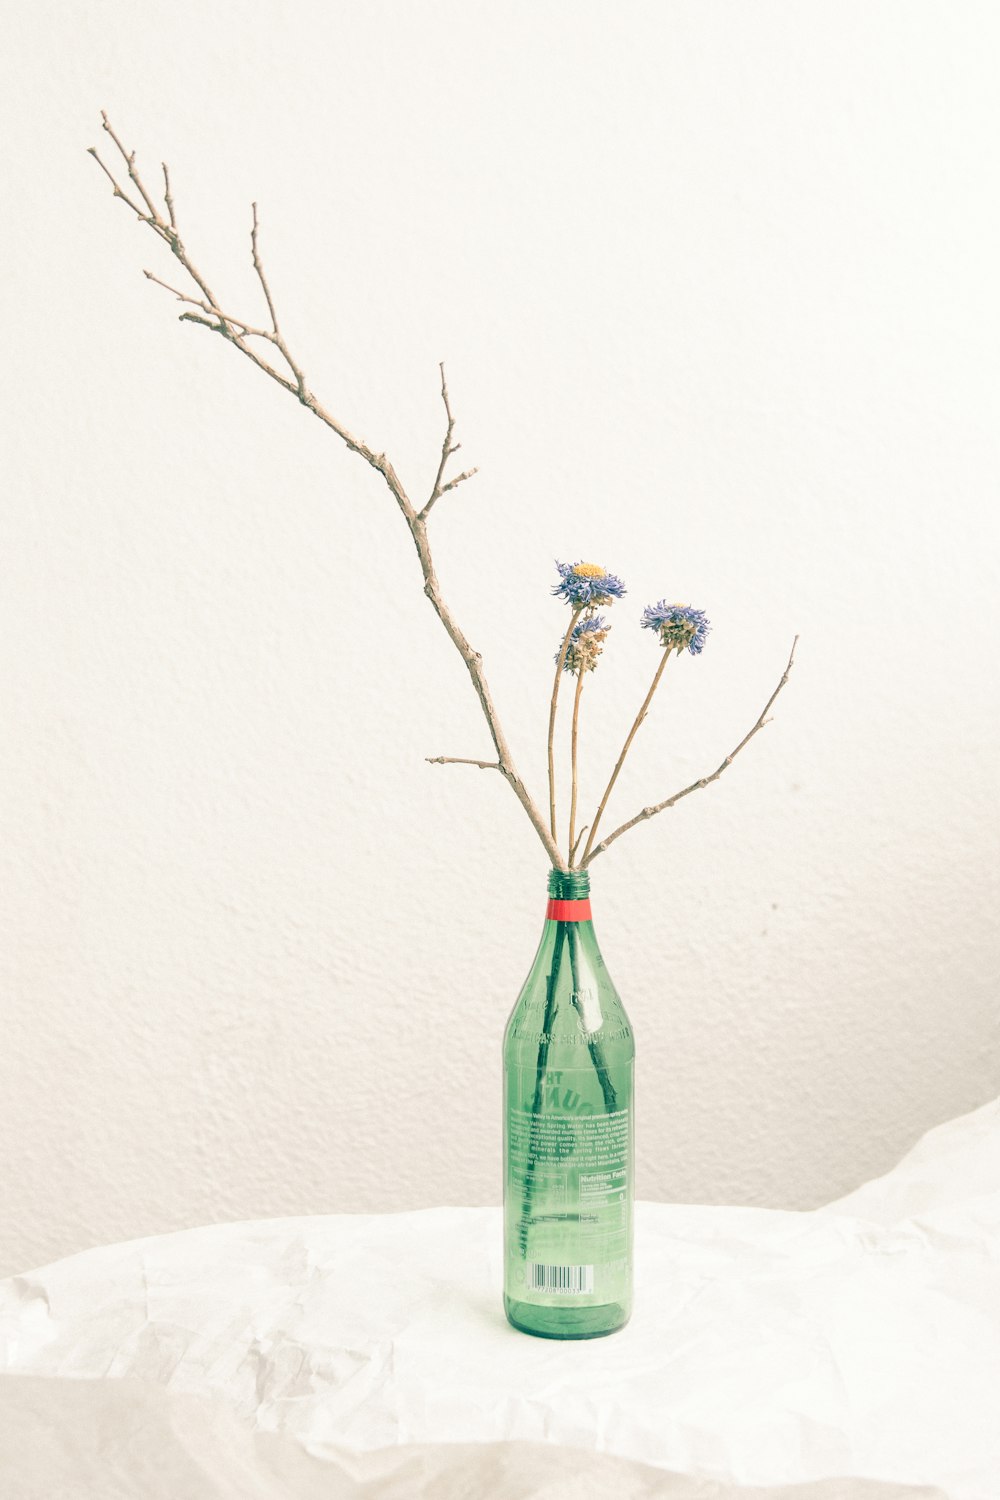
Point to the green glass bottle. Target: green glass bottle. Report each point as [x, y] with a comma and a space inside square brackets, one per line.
[569, 1139]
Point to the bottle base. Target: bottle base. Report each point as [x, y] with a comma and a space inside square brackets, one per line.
[565, 1322]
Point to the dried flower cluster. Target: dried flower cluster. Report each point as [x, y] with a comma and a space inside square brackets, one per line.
[585, 644]
[583, 586]
[678, 625]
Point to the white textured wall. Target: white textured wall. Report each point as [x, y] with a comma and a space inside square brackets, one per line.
[717, 288]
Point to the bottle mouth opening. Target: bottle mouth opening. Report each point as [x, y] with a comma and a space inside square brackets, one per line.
[569, 885]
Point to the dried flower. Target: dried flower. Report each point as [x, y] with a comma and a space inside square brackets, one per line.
[586, 585]
[585, 644]
[678, 625]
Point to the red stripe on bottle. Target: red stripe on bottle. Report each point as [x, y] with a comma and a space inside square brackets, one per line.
[568, 911]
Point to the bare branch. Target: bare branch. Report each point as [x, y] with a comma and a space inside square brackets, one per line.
[237, 331]
[457, 760]
[154, 219]
[579, 841]
[650, 812]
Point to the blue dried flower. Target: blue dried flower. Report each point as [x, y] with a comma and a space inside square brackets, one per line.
[586, 585]
[585, 644]
[678, 625]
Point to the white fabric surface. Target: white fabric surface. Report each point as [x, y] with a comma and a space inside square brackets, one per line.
[856, 1344]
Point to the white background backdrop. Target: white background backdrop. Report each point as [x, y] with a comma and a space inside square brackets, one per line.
[716, 285]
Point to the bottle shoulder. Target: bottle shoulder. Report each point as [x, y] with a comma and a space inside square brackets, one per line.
[568, 1016]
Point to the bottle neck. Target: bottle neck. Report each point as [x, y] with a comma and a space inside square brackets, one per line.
[569, 896]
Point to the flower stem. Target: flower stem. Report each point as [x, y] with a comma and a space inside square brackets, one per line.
[548, 1020]
[576, 726]
[621, 759]
[552, 721]
[594, 1046]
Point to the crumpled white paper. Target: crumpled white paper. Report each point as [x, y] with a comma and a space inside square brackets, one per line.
[127, 1440]
[854, 1344]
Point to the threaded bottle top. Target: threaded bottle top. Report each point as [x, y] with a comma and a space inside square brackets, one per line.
[569, 885]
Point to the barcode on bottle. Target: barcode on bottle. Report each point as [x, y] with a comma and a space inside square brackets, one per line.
[568, 1279]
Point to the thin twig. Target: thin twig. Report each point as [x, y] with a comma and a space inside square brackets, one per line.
[447, 449]
[258, 267]
[301, 389]
[129, 159]
[579, 841]
[560, 663]
[246, 330]
[458, 760]
[237, 331]
[650, 812]
[625, 749]
[119, 192]
[459, 479]
[167, 198]
[244, 348]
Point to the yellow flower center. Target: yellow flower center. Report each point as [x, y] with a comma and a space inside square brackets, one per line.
[590, 570]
